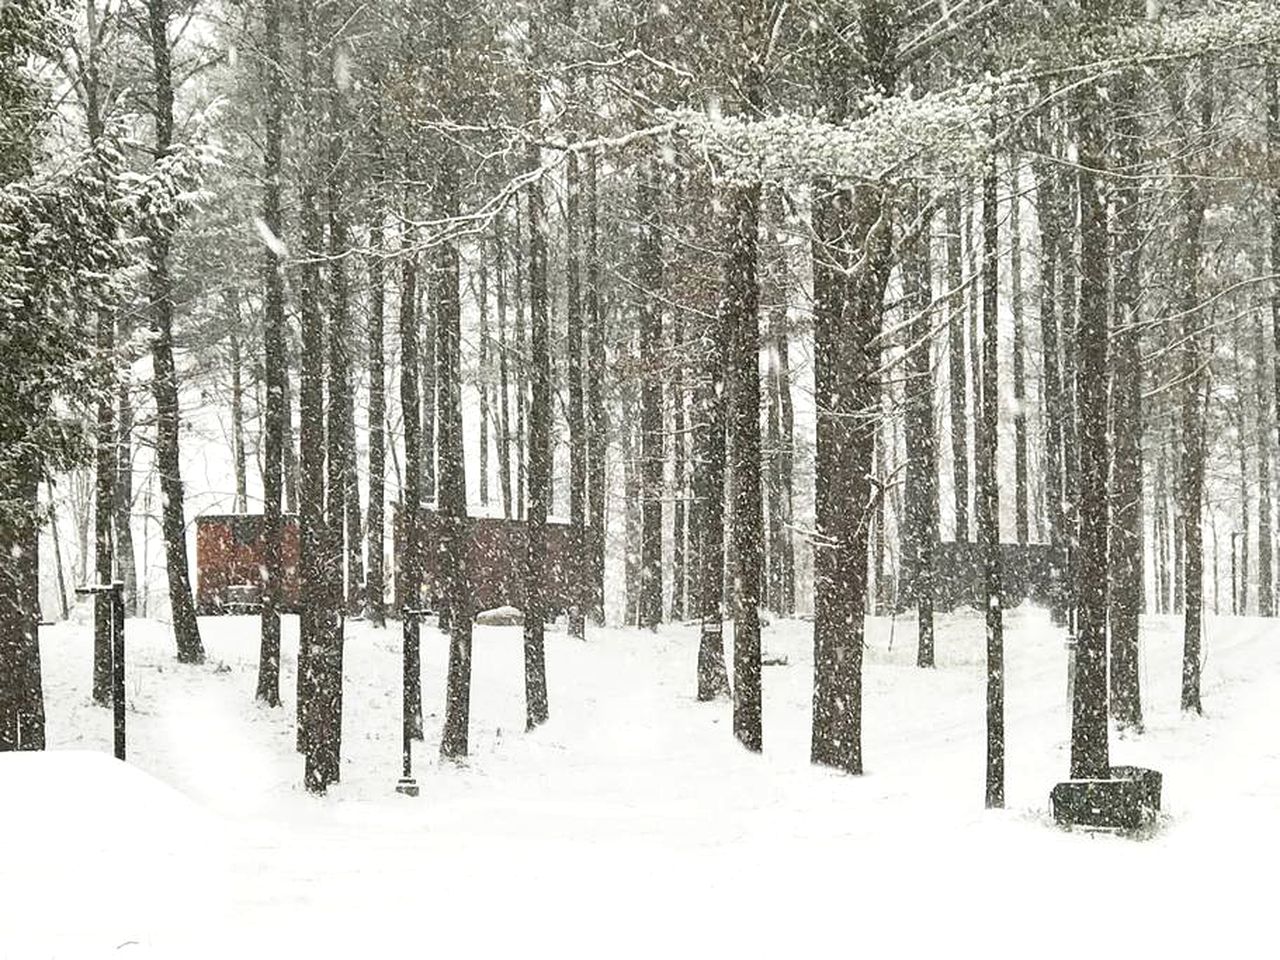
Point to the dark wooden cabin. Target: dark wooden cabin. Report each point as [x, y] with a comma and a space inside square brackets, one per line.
[496, 555]
[230, 551]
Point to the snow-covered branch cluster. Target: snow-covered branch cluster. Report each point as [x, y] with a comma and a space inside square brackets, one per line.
[893, 138]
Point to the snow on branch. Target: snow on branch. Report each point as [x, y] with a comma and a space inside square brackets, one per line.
[935, 135]
[1246, 26]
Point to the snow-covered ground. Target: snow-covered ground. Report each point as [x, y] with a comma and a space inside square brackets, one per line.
[632, 824]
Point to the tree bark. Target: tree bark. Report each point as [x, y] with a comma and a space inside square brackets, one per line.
[577, 563]
[597, 419]
[327, 711]
[1273, 151]
[237, 406]
[274, 362]
[786, 464]
[482, 376]
[851, 268]
[957, 371]
[375, 591]
[539, 478]
[1051, 405]
[1126, 553]
[411, 506]
[22, 720]
[504, 378]
[742, 314]
[679, 549]
[988, 488]
[122, 504]
[165, 378]
[104, 490]
[650, 279]
[921, 527]
[1089, 748]
[709, 467]
[452, 492]
[429, 316]
[1262, 450]
[1021, 489]
[1191, 493]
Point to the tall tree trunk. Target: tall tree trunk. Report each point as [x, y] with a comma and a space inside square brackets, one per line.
[786, 463]
[1273, 151]
[522, 370]
[713, 677]
[482, 376]
[1161, 533]
[105, 476]
[375, 591]
[742, 316]
[851, 268]
[411, 507]
[351, 481]
[679, 549]
[452, 495]
[114, 538]
[742, 295]
[882, 598]
[1242, 451]
[632, 495]
[22, 719]
[339, 434]
[1089, 749]
[292, 467]
[1047, 214]
[1191, 493]
[597, 419]
[577, 565]
[1262, 441]
[650, 279]
[428, 315]
[122, 504]
[1021, 489]
[165, 378]
[274, 361]
[772, 467]
[313, 585]
[1126, 554]
[921, 494]
[504, 379]
[539, 492]
[63, 609]
[957, 371]
[237, 405]
[988, 488]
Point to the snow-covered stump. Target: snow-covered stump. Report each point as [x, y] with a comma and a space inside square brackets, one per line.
[1129, 799]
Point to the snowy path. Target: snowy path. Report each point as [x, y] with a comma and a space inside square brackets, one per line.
[632, 824]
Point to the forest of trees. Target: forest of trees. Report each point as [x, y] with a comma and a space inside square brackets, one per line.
[764, 299]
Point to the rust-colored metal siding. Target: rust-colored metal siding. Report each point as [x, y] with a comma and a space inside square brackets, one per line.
[497, 551]
[230, 549]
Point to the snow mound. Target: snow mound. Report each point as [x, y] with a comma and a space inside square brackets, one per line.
[501, 617]
[100, 854]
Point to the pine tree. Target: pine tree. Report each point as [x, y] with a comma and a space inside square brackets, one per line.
[273, 355]
[165, 377]
[539, 474]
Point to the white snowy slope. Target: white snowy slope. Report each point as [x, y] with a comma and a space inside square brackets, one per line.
[631, 824]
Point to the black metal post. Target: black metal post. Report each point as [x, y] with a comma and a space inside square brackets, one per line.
[117, 663]
[114, 592]
[407, 784]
